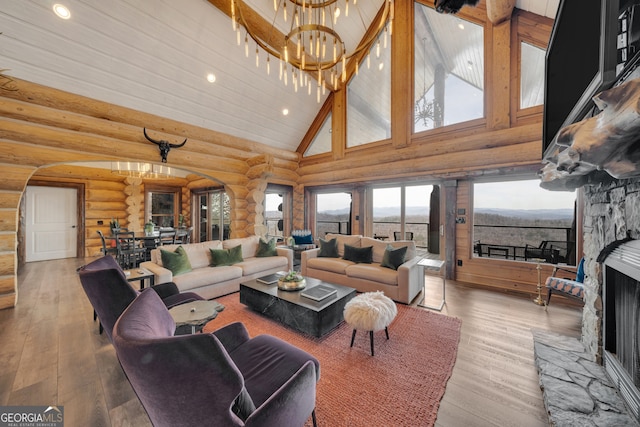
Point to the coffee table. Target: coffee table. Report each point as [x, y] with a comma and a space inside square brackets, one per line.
[292, 309]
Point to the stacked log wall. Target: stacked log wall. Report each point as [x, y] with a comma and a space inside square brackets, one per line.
[41, 127]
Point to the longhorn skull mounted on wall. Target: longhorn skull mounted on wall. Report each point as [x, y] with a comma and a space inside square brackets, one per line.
[163, 145]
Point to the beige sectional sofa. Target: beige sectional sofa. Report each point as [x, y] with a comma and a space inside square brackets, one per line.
[401, 285]
[211, 282]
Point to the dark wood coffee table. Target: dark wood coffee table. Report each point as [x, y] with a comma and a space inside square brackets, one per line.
[292, 309]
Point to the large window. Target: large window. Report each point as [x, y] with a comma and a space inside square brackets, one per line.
[448, 69]
[518, 220]
[401, 213]
[322, 142]
[162, 205]
[531, 75]
[368, 110]
[333, 213]
[278, 210]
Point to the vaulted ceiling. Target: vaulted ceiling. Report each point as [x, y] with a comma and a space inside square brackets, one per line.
[154, 56]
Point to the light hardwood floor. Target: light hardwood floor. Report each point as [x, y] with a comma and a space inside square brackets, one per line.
[51, 353]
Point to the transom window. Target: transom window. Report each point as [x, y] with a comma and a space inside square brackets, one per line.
[448, 69]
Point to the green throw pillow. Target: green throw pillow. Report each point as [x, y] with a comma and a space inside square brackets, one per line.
[329, 248]
[266, 248]
[358, 255]
[393, 258]
[177, 262]
[226, 256]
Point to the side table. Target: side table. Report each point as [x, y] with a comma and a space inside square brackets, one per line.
[297, 251]
[433, 265]
[195, 314]
[140, 275]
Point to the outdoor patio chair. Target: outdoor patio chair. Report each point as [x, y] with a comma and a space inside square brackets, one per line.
[571, 287]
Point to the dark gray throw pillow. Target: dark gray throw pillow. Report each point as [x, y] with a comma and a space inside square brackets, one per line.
[358, 255]
[393, 258]
[329, 248]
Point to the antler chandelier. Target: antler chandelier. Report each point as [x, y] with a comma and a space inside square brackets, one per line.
[312, 45]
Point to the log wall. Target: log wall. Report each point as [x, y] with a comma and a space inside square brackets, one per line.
[44, 131]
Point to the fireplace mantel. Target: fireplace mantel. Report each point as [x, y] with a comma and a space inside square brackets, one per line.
[601, 147]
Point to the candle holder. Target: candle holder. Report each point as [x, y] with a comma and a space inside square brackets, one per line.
[538, 300]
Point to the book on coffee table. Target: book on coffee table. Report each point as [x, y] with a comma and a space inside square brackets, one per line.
[318, 293]
[269, 279]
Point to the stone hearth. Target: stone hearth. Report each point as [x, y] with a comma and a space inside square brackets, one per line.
[576, 390]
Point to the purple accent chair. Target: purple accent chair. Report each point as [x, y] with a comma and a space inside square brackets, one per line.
[110, 293]
[219, 379]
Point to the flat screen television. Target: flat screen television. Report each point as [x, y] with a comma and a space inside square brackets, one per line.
[580, 62]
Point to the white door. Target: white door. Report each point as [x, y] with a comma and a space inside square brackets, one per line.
[50, 227]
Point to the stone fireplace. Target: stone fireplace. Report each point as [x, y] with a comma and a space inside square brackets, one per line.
[621, 321]
[612, 212]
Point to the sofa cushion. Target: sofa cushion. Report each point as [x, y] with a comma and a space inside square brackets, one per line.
[373, 272]
[266, 249]
[345, 239]
[258, 264]
[334, 265]
[328, 248]
[207, 276]
[249, 245]
[199, 254]
[230, 256]
[393, 258]
[358, 255]
[177, 262]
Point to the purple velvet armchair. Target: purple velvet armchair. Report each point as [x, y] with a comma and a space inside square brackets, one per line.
[110, 293]
[218, 379]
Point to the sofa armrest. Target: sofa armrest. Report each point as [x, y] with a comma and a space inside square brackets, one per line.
[409, 282]
[286, 252]
[305, 256]
[232, 336]
[291, 404]
[162, 275]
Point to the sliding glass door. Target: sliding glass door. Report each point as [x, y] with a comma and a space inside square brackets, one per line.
[401, 213]
[214, 214]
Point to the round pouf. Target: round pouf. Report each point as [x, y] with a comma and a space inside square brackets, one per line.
[370, 311]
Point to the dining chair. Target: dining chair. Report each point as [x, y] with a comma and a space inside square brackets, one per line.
[167, 237]
[129, 253]
[106, 250]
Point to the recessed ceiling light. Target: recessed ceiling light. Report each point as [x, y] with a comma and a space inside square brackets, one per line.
[62, 11]
[285, 111]
[461, 26]
[211, 78]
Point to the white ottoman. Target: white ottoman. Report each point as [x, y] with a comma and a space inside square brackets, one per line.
[370, 311]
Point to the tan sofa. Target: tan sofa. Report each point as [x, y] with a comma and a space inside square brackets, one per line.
[212, 282]
[400, 285]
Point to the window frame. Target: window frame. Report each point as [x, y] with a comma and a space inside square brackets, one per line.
[535, 30]
[149, 190]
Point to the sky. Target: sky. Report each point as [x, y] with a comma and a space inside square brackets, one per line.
[521, 195]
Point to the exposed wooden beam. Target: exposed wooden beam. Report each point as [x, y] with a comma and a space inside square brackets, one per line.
[499, 10]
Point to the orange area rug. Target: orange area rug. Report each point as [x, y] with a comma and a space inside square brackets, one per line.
[401, 385]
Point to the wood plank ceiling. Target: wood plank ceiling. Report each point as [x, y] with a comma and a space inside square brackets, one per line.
[154, 56]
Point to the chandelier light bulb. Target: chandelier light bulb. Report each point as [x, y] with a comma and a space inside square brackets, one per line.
[311, 28]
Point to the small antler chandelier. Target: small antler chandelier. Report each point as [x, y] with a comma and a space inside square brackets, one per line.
[312, 44]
